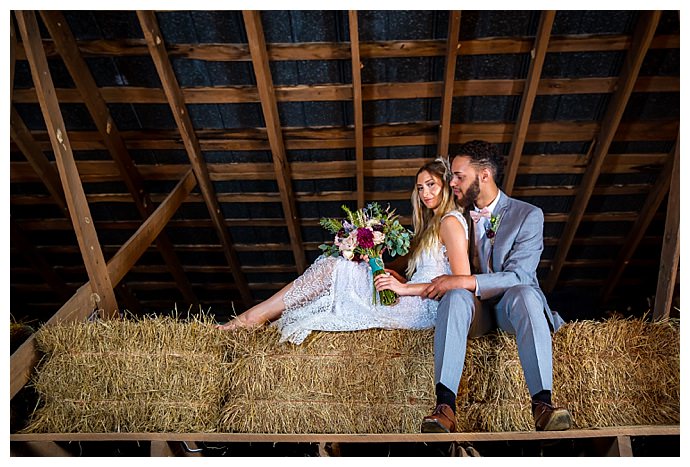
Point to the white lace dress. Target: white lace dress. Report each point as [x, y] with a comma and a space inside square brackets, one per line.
[335, 294]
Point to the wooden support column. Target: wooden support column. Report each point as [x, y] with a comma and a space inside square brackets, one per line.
[538, 53]
[71, 183]
[80, 305]
[67, 47]
[670, 249]
[452, 48]
[264, 84]
[357, 106]
[13, 56]
[651, 205]
[173, 93]
[642, 38]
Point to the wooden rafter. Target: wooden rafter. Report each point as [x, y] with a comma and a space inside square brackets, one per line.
[71, 183]
[357, 106]
[156, 45]
[79, 306]
[66, 46]
[642, 38]
[373, 49]
[13, 56]
[538, 53]
[374, 91]
[651, 205]
[670, 248]
[264, 84]
[448, 83]
[46, 172]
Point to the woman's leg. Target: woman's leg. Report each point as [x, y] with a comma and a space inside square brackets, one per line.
[268, 310]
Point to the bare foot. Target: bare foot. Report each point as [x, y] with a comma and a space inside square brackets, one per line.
[236, 323]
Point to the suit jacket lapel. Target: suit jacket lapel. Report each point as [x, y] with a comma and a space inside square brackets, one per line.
[488, 247]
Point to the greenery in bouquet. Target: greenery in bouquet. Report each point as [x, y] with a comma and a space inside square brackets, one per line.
[368, 232]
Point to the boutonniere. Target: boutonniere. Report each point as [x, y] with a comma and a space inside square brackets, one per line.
[491, 230]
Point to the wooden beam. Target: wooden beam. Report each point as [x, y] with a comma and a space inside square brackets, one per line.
[81, 304]
[264, 83]
[538, 53]
[647, 213]
[452, 47]
[13, 56]
[74, 192]
[154, 40]
[357, 106]
[644, 32]
[46, 172]
[670, 249]
[66, 46]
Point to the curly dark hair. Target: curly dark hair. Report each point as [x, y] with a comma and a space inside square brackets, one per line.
[483, 155]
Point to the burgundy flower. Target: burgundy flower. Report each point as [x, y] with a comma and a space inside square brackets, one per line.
[490, 233]
[365, 238]
[377, 227]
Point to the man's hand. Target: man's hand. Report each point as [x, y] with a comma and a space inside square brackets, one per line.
[442, 284]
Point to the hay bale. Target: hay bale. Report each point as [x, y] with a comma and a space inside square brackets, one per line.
[612, 373]
[372, 381]
[148, 375]
[163, 375]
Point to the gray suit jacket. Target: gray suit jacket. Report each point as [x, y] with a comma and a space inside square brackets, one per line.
[515, 254]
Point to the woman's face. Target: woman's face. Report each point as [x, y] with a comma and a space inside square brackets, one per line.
[430, 189]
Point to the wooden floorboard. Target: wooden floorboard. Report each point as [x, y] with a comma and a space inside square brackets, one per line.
[656, 430]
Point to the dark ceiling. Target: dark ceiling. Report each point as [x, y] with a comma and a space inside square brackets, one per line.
[403, 56]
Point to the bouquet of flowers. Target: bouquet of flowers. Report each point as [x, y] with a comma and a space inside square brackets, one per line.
[368, 232]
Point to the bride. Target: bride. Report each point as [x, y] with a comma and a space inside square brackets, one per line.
[334, 294]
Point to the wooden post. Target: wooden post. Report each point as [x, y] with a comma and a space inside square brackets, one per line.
[452, 47]
[670, 249]
[71, 183]
[541, 44]
[357, 106]
[156, 45]
[66, 45]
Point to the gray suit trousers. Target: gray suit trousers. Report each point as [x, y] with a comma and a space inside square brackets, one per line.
[520, 312]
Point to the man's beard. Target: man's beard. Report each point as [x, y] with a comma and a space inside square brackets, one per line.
[470, 195]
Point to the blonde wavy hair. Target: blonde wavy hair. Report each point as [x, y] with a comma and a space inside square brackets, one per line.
[426, 224]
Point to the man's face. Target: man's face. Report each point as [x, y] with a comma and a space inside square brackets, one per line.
[465, 181]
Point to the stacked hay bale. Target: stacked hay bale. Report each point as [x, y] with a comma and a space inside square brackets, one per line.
[150, 375]
[162, 375]
[373, 381]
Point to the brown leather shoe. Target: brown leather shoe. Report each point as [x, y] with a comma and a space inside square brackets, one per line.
[442, 420]
[550, 418]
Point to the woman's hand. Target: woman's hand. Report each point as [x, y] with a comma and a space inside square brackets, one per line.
[388, 282]
[396, 275]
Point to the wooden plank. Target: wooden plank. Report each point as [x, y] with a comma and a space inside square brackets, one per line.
[47, 173]
[13, 56]
[385, 135]
[264, 82]
[66, 46]
[451, 59]
[72, 187]
[357, 106]
[81, 304]
[154, 40]
[374, 49]
[647, 213]
[644, 32]
[373, 91]
[670, 249]
[642, 430]
[538, 53]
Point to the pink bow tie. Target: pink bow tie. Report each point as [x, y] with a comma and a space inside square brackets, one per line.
[476, 215]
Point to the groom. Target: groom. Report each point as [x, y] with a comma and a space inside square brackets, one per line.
[506, 241]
